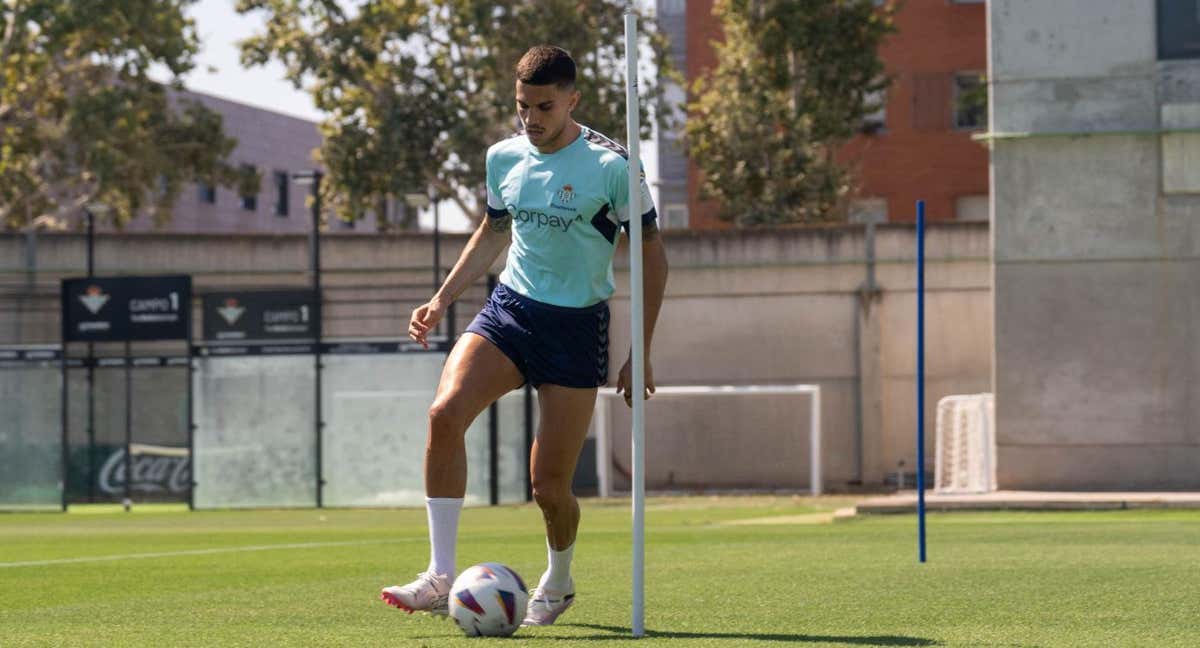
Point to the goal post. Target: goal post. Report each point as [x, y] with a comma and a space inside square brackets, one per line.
[807, 430]
[965, 445]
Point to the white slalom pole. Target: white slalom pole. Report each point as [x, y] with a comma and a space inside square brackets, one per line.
[637, 332]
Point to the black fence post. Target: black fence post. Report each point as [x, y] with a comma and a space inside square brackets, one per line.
[191, 418]
[319, 301]
[127, 501]
[494, 453]
[91, 423]
[493, 425]
[62, 362]
[528, 442]
[91, 368]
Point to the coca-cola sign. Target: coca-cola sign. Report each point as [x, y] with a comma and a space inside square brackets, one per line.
[154, 470]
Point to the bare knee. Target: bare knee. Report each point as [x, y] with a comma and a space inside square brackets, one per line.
[447, 414]
[552, 492]
[448, 423]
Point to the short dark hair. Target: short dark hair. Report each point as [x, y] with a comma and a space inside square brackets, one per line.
[547, 65]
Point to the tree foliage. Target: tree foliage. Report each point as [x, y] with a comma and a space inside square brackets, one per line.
[416, 90]
[793, 80]
[81, 121]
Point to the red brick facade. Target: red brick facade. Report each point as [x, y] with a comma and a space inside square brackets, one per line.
[919, 154]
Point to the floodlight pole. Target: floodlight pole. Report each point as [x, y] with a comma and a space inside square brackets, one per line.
[921, 380]
[320, 333]
[313, 179]
[419, 201]
[437, 249]
[636, 325]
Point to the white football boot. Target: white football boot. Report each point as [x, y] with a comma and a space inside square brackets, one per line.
[429, 593]
[545, 606]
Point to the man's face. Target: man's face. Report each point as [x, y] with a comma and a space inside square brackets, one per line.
[545, 110]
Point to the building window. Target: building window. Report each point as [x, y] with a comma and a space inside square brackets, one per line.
[672, 7]
[208, 193]
[931, 102]
[876, 120]
[970, 101]
[281, 193]
[1178, 29]
[868, 210]
[675, 217]
[972, 208]
[250, 200]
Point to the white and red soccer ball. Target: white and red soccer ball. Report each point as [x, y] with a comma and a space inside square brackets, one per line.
[488, 600]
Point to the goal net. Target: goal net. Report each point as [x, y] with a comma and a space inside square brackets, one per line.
[966, 444]
[715, 437]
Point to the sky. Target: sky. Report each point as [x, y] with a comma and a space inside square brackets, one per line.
[220, 28]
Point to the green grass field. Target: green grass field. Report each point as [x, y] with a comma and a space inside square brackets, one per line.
[166, 577]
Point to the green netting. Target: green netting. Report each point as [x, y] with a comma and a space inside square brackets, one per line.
[30, 438]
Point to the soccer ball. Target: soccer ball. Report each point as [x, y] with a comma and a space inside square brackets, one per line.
[488, 600]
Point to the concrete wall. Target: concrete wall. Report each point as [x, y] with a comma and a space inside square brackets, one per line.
[1096, 277]
[743, 307]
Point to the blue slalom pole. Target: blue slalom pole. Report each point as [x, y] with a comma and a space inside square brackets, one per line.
[921, 378]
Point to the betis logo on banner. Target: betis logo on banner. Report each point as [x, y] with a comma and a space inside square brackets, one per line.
[94, 299]
[260, 315]
[115, 309]
[231, 312]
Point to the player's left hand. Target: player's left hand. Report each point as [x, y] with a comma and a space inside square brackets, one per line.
[625, 381]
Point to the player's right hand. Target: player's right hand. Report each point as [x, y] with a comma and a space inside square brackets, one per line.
[424, 318]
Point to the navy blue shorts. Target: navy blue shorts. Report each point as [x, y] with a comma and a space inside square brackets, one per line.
[549, 344]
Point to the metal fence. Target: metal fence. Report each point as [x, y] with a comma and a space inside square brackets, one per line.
[335, 420]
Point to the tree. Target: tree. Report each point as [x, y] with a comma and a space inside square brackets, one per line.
[792, 82]
[416, 90]
[81, 121]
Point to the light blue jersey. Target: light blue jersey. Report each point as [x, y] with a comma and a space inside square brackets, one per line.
[567, 208]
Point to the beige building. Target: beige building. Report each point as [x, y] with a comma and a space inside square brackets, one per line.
[276, 146]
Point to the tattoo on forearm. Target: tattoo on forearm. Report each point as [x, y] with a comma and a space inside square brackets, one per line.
[500, 225]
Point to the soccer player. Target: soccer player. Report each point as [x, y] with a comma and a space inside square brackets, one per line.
[558, 191]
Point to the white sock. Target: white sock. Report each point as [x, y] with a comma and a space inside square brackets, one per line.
[558, 575]
[443, 533]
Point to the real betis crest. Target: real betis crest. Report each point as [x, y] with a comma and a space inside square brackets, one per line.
[566, 194]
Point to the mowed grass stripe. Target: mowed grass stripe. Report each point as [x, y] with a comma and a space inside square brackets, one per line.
[194, 552]
[1122, 578]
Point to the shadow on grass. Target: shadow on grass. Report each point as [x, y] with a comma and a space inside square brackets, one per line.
[618, 633]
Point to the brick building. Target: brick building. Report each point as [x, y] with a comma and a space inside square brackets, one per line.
[918, 147]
